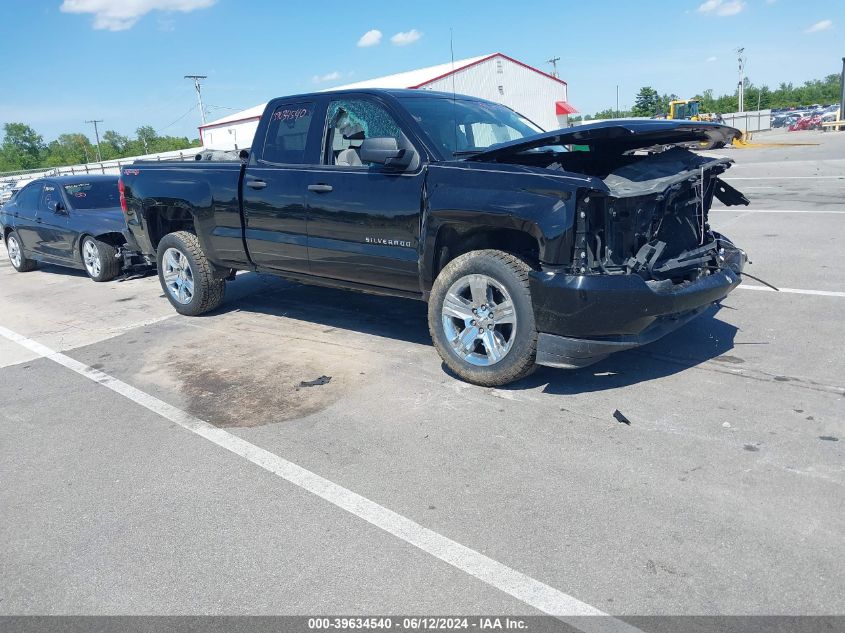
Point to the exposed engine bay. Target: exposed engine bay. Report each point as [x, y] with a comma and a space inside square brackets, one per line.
[651, 218]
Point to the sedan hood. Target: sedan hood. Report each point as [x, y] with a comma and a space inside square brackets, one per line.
[617, 136]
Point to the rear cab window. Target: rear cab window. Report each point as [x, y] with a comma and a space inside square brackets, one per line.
[286, 141]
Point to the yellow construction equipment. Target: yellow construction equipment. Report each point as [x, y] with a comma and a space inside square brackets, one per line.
[688, 109]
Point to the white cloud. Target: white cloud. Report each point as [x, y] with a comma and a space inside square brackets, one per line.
[823, 25]
[370, 38]
[332, 76]
[711, 59]
[406, 37]
[119, 15]
[721, 7]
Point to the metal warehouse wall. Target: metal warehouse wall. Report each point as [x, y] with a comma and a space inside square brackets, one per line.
[230, 135]
[498, 79]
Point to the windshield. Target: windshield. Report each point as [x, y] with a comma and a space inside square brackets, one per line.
[463, 126]
[101, 194]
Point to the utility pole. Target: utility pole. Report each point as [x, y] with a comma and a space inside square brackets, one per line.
[553, 61]
[97, 136]
[196, 79]
[617, 101]
[741, 84]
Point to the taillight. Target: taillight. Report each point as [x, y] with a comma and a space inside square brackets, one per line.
[121, 188]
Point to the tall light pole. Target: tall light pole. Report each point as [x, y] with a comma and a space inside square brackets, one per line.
[196, 79]
[842, 90]
[97, 136]
[740, 87]
[553, 61]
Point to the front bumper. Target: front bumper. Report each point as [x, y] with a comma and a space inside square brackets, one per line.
[584, 318]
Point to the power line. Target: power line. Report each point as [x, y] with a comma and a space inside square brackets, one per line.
[191, 109]
[553, 61]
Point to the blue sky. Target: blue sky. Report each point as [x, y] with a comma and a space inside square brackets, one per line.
[123, 61]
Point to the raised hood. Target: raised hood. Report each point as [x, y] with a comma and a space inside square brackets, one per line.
[617, 136]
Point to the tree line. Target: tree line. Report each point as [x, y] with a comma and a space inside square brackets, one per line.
[23, 148]
[648, 102]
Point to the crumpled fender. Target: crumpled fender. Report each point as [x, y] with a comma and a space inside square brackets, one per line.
[475, 197]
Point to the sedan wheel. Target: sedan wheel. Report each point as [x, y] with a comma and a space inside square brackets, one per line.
[91, 256]
[14, 250]
[20, 262]
[178, 276]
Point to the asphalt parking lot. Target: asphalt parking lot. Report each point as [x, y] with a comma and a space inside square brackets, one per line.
[394, 488]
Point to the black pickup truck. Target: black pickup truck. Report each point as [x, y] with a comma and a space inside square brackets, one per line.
[526, 252]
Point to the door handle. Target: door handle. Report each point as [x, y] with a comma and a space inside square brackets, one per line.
[320, 188]
[256, 184]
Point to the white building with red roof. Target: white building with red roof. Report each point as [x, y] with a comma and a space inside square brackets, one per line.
[496, 77]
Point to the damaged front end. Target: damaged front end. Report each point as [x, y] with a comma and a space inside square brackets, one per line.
[645, 259]
[652, 219]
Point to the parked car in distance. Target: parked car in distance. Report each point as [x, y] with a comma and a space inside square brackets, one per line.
[72, 221]
[525, 252]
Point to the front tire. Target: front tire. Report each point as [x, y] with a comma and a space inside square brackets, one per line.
[187, 276]
[100, 259]
[481, 318]
[19, 261]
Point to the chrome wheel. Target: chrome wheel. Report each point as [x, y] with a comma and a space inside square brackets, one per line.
[91, 257]
[178, 276]
[479, 320]
[14, 250]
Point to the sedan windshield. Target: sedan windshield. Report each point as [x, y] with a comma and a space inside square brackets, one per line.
[101, 194]
[463, 126]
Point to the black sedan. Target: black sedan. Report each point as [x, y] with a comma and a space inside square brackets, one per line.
[72, 221]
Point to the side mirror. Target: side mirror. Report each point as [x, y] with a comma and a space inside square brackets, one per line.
[385, 150]
[56, 207]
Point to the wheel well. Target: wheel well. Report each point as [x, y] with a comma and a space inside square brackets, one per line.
[164, 220]
[6, 231]
[451, 243]
[114, 239]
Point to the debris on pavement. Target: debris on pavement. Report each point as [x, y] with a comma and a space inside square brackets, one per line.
[621, 418]
[322, 380]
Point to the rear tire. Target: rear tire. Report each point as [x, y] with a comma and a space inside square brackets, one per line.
[187, 276]
[19, 261]
[481, 318]
[100, 259]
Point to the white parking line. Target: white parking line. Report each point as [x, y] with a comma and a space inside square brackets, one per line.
[794, 291]
[514, 583]
[784, 178]
[753, 210]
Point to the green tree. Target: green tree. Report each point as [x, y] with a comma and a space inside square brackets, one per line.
[646, 102]
[22, 147]
[114, 145]
[69, 149]
[147, 136]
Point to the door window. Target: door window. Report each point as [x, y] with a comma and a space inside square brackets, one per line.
[350, 121]
[287, 134]
[27, 200]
